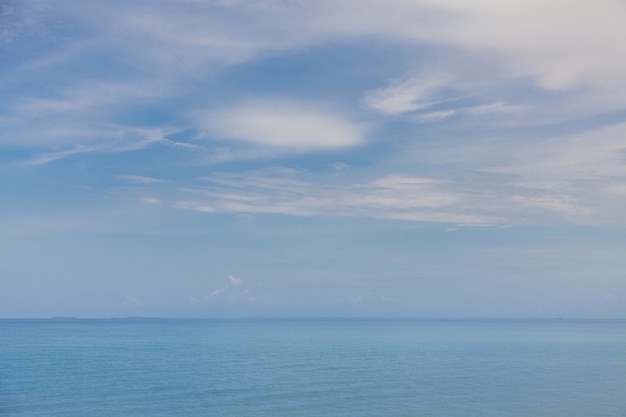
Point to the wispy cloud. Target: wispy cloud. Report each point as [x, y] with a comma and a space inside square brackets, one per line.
[594, 155]
[399, 197]
[158, 52]
[546, 61]
[474, 112]
[215, 293]
[409, 95]
[140, 179]
[132, 301]
[54, 156]
[234, 280]
[233, 292]
[118, 139]
[149, 200]
[575, 179]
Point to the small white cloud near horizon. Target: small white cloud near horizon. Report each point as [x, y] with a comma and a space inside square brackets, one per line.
[217, 292]
[132, 301]
[234, 280]
[283, 124]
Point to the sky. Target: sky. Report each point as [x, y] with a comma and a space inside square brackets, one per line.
[313, 158]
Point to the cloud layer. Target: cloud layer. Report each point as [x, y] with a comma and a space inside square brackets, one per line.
[111, 78]
[152, 52]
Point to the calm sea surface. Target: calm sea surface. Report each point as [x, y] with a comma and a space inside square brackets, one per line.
[495, 368]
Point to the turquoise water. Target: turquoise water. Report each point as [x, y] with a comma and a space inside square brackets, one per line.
[552, 368]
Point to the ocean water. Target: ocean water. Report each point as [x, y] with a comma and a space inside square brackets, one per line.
[394, 368]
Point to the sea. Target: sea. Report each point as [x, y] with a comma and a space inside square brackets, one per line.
[312, 367]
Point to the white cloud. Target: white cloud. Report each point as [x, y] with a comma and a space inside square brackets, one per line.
[595, 155]
[217, 292]
[577, 178]
[494, 108]
[340, 166]
[435, 96]
[409, 95]
[283, 124]
[401, 197]
[568, 50]
[150, 200]
[435, 116]
[98, 139]
[571, 52]
[234, 280]
[233, 291]
[557, 43]
[571, 210]
[572, 179]
[528, 59]
[54, 156]
[132, 301]
[140, 179]
[560, 44]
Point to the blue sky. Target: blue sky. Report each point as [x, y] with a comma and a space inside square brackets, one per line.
[232, 158]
